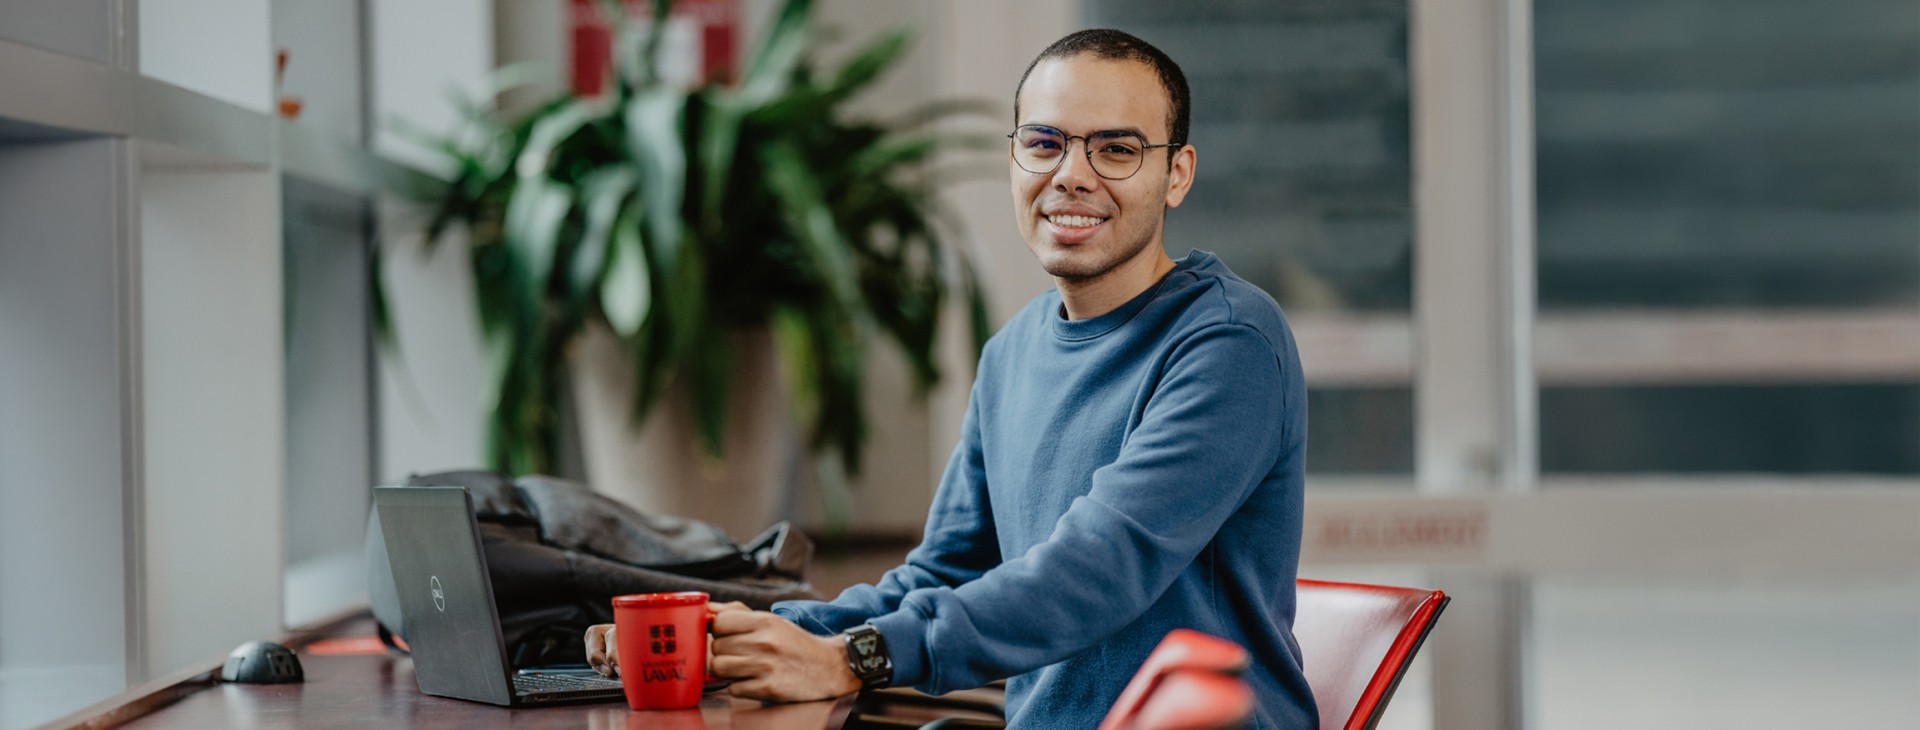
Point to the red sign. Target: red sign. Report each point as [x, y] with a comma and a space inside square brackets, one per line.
[700, 37]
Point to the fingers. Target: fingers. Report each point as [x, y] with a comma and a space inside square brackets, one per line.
[758, 689]
[602, 649]
[752, 643]
[717, 608]
[732, 621]
[734, 667]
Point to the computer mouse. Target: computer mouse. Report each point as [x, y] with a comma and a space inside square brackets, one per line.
[262, 662]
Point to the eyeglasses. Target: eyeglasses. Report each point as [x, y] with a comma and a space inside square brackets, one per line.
[1114, 155]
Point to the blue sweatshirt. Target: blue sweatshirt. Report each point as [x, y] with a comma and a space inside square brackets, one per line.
[1117, 478]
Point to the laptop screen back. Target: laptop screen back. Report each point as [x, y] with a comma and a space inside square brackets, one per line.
[446, 599]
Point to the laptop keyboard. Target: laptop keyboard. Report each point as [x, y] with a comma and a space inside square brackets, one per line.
[528, 683]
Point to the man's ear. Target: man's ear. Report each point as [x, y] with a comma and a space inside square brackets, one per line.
[1180, 178]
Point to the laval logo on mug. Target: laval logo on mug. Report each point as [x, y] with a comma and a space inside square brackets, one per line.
[439, 595]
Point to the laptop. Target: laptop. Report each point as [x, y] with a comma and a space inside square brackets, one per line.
[446, 600]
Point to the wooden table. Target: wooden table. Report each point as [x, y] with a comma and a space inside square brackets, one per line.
[378, 691]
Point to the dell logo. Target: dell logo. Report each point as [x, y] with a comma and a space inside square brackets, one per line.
[439, 595]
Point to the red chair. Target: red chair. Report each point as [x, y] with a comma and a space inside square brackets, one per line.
[1191, 681]
[1356, 642]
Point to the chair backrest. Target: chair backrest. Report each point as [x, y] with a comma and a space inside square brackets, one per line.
[1356, 641]
[1191, 681]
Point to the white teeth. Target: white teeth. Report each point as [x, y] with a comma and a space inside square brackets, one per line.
[1075, 221]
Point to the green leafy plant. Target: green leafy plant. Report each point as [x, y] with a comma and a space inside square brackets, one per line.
[677, 216]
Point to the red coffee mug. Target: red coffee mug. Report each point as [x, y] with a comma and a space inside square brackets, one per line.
[662, 640]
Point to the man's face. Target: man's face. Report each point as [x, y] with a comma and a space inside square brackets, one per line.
[1077, 223]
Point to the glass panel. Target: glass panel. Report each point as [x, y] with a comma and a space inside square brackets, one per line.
[320, 85]
[1652, 656]
[1300, 116]
[219, 48]
[1728, 153]
[1360, 431]
[1792, 429]
[329, 399]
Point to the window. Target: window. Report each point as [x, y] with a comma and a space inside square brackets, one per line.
[1300, 115]
[1739, 183]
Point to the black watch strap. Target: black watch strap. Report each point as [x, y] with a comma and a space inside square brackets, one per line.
[867, 656]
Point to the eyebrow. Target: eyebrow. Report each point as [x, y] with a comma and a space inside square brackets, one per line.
[1135, 131]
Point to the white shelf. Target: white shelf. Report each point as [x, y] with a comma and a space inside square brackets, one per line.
[47, 95]
[153, 206]
[63, 92]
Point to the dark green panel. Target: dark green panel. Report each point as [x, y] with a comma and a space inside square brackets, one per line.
[1302, 126]
[1714, 153]
[1783, 429]
[1360, 431]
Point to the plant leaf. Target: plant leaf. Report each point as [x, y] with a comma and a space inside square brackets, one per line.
[626, 295]
[654, 135]
[979, 317]
[882, 158]
[811, 221]
[604, 195]
[687, 307]
[794, 340]
[531, 231]
[637, 47]
[719, 136]
[547, 133]
[773, 64]
[539, 205]
[868, 64]
[502, 80]
[711, 375]
[383, 328]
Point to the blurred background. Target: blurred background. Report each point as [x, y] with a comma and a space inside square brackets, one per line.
[1610, 313]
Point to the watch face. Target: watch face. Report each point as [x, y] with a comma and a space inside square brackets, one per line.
[866, 648]
[867, 652]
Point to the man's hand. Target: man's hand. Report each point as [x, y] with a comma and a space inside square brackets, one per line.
[603, 652]
[769, 658]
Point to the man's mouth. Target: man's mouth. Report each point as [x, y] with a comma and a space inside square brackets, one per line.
[1075, 221]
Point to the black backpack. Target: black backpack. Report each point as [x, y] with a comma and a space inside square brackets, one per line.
[558, 552]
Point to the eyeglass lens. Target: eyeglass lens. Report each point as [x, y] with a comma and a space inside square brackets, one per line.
[1115, 155]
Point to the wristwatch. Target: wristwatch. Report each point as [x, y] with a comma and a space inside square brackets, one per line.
[867, 656]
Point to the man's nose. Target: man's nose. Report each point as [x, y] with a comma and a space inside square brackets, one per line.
[1076, 170]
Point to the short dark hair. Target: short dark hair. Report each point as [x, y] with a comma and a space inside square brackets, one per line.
[1113, 45]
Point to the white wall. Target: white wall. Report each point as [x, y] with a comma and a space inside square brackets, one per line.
[221, 48]
[322, 41]
[423, 52]
[432, 390]
[214, 412]
[61, 422]
[538, 33]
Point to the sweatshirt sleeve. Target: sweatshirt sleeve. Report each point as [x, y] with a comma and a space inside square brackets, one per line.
[1209, 434]
[959, 545]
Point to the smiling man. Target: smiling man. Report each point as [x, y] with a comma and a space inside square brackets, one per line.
[1131, 460]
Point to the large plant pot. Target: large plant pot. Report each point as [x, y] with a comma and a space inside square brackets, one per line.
[660, 465]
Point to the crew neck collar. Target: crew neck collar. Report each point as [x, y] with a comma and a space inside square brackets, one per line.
[1086, 329]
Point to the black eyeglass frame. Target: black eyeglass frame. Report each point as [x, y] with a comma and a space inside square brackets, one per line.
[1086, 148]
